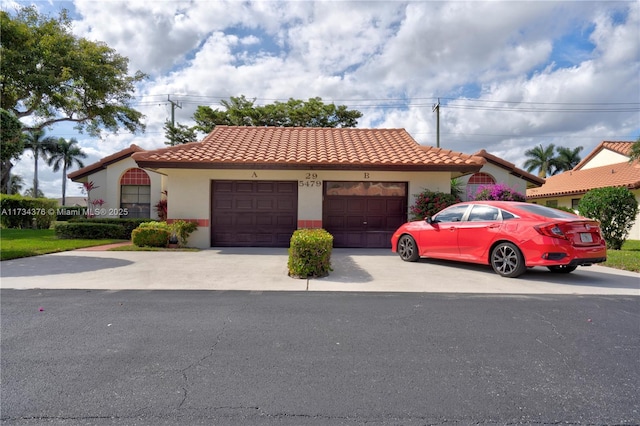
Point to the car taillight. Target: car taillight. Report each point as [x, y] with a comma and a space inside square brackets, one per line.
[551, 230]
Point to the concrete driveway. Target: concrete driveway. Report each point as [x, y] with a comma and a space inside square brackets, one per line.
[265, 269]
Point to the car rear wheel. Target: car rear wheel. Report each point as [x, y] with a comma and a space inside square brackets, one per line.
[407, 249]
[507, 260]
[562, 269]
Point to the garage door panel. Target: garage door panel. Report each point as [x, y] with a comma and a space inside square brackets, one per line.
[286, 204]
[376, 222]
[223, 204]
[242, 187]
[222, 186]
[355, 222]
[356, 205]
[265, 187]
[333, 222]
[264, 204]
[243, 204]
[286, 221]
[253, 213]
[364, 214]
[287, 187]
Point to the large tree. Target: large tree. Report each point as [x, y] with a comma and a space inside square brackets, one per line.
[11, 146]
[64, 156]
[41, 146]
[178, 134]
[541, 159]
[567, 158]
[51, 75]
[240, 111]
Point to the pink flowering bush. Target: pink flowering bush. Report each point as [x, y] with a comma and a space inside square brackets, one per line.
[429, 203]
[497, 192]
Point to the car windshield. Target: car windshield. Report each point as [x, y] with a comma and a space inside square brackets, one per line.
[546, 211]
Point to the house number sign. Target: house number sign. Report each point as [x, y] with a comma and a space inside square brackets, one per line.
[311, 180]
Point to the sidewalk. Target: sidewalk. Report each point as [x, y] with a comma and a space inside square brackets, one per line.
[265, 269]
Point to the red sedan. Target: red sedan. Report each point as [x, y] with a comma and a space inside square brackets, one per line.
[510, 236]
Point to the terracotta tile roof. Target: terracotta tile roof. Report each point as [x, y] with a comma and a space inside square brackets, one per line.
[304, 147]
[621, 147]
[536, 180]
[103, 163]
[580, 181]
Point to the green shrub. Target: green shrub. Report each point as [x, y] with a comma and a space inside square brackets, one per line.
[182, 229]
[17, 211]
[565, 209]
[90, 231]
[151, 234]
[429, 203]
[310, 253]
[498, 192]
[66, 213]
[128, 224]
[615, 208]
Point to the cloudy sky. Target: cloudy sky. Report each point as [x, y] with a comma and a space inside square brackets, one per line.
[509, 74]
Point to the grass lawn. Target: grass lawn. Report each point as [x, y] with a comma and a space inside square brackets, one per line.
[627, 258]
[16, 243]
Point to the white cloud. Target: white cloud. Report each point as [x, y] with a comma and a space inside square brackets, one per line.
[537, 59]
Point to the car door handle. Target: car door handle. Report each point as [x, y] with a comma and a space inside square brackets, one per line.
[494, 225]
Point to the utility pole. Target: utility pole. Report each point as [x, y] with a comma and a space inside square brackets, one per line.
[436, 109]
[173, 109]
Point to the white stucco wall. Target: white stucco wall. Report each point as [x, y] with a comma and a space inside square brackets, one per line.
[604, 158]
[190, 190]
[107, 183]
[634, 233]
[500, 175]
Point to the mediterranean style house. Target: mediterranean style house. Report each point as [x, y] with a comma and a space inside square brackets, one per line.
[607, 165]
[254, 186]
[496, 170]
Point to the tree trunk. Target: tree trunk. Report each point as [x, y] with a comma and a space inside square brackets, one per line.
[5, 179]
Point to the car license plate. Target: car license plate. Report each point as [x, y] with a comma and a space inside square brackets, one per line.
[586, 237]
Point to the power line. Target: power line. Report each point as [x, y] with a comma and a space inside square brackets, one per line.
[454, 103]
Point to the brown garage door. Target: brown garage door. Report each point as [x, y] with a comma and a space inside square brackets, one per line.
[364, 214]
[253, 213]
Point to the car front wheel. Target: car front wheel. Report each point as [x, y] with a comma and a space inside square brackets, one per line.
[408, 249]
[507, 260]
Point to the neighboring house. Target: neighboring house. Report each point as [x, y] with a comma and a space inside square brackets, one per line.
[254, 186]
[74, 201]
[497, 170]
[124, 187]
[607, 165]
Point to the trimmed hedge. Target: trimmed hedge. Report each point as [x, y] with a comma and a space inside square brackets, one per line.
[17, 211]
[66, 213]
[310, 253]
[128, 224]
[151, 234]
[90, 231]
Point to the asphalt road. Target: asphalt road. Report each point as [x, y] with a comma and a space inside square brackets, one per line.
[96, 357]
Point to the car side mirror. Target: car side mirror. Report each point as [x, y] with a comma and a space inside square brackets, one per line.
[429, 220]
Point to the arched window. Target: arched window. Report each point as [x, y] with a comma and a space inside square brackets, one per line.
[135, 193]
[476, 181]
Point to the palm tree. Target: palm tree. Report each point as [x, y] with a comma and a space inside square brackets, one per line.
[542, 159]
[635, 151]
[41, 146]
[567, 158]
[65, 154]
[15, 184]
